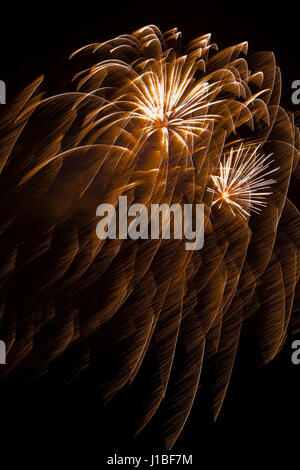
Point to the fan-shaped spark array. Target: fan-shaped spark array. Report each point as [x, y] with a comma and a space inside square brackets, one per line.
[242, 182]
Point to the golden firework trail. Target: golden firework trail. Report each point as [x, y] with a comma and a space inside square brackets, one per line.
[242, 182]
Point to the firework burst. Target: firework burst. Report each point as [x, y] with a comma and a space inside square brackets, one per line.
[166, 98]
[161, 96]
[242, 182]
[168, 95]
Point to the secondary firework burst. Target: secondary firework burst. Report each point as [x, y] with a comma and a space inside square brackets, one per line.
[242, 182]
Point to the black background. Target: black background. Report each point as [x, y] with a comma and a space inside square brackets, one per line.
[261, 414]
